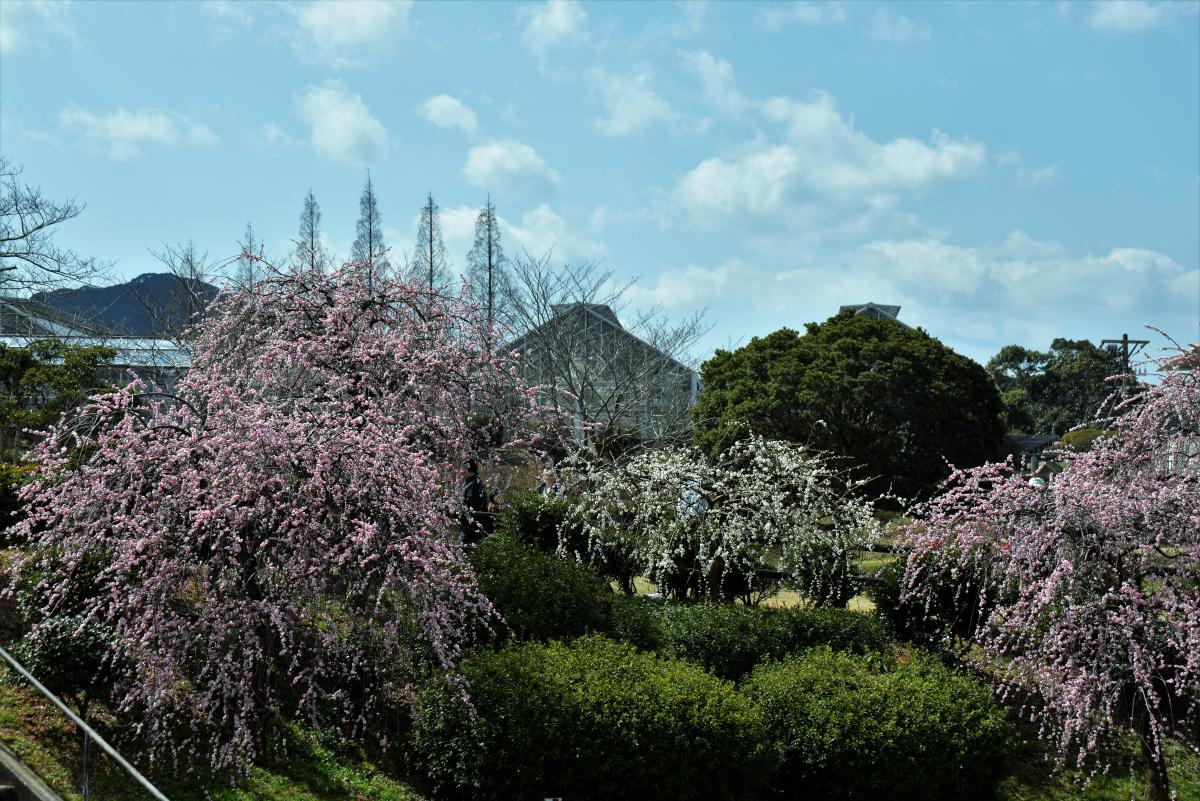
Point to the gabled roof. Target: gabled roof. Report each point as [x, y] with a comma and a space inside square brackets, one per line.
[600, 310]
[22, 317]
[877, 310]
[603, 313]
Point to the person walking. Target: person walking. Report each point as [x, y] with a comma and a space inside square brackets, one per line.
[475, 504]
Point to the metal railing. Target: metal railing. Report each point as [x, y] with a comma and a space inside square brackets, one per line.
[89, 735]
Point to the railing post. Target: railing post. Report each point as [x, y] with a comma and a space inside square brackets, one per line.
[87, 743]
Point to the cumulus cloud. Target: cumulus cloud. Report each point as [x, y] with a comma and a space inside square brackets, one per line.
[630, 102]
[953, 291]
[348, 33]
[542, 230]
[29, 24]
[887, 26]
[509, 166]
[801, 12]
[446, 111]
[716, 78]
[342, 127]
[821, 157]
[1134, 16]
[121, 133]
[552, 23]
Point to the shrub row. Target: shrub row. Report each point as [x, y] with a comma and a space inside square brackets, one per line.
[542, 596]
[597, 719]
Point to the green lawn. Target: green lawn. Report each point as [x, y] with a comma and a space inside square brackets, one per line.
[46, 741]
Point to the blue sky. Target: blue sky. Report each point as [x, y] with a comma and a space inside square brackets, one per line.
[1006, 172]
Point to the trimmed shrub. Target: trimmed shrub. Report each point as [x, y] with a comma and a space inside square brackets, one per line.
[1081, 439]
[638, 621]
[842, 728]
[541, 596]
[590, 719]
[730, 640]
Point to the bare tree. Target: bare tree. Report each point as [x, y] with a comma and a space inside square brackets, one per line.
[190, 294]
[310, 253]
[487, 272]
[30, 260]
[623, 383]
[368, 249]
[430, 265]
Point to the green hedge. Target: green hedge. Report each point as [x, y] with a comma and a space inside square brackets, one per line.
[845, 728]
[540, 595]
[590, 719]
[731, 640]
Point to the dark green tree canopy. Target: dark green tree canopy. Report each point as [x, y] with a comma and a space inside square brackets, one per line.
[1055, 390]
[42, 380]
[892, 399]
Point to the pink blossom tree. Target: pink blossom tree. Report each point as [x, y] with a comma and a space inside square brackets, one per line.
[1085, 593]
[276, 537]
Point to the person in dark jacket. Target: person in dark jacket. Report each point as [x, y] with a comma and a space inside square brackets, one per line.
[475, 504]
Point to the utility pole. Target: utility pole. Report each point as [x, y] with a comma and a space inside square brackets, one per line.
[1128, 348]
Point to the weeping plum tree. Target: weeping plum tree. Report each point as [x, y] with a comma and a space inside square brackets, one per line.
[700, 526]
[1085, 594]
[274, 540]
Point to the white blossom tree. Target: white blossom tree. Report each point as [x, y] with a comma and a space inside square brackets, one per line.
[701, 528]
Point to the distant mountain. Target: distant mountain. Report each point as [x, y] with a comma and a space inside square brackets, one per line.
[151, 305]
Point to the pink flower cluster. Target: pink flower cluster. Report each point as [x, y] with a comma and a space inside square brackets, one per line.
[275, 537]
[1087, 591]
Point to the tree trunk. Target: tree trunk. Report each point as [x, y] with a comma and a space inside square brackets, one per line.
[1158, 787]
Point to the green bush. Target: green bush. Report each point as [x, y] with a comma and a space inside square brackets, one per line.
[545, 522]
[730, 641]
[12, 476]
[590, 719]
[540, 595]
[535, 520]
[1081, 440]
[72, 656]
[843, 728]
[952, 612]
[638, 621]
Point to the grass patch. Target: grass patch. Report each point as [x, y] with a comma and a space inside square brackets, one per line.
[310, 770]
[1033, 780]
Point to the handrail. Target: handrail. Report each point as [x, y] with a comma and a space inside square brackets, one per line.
[88, 731]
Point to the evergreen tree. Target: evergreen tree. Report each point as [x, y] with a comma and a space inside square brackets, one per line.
[368, 247]
[486, 269]
[430, 265]
[310, 254]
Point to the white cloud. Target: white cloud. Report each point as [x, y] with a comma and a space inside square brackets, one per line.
[542, 230]
[975, 298]
[779, 15]
[509, 166]
[716, 77]
[887, 26]
[1133, 16]
[122, 133]
[228, 12]
[446, 111]
[274, 136]
[342, 127]
[630, 102]
[29, 23]
[822, 158]
[552, 23]
[348, 33]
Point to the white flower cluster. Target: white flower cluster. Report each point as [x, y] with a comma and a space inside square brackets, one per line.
[701, 526]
